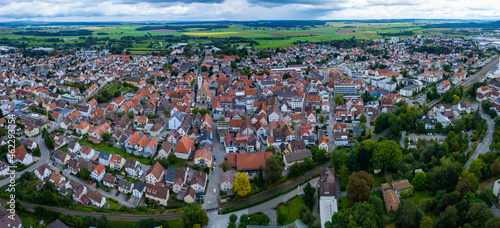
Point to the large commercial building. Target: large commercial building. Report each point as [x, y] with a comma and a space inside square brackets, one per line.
[348, 90]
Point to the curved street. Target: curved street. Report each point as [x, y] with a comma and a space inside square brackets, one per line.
[44, 158]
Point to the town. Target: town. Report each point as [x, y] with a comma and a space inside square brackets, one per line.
[303, 136]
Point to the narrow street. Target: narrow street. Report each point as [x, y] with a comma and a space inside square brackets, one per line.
[212, 200]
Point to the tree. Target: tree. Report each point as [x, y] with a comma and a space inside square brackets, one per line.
[233, 218]
[439, 127]
[360, 185]
[271, 149]
[387, 154]
[171, 159]
[84, 173]
[362, 214]
[478, 214]
[273, 170]
[130, 114]
[408, 215]
[421, 127]
[306, 215]
[475, 167]
[339, 99]
[420, 181]
[456, 99]
[260, 178]
[282, 218]
[225, 166]
[102, 222]
[467, 182]
[448, 219]
[241, 184]
[106, 136]
[493, 223]
[294, 170]
[146, 223]
[308, 195]
[362, 119]
[193, 214]
[321, 119]
[495, 167]
[426, 222]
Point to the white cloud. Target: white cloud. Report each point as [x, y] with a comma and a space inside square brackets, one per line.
[193, 10]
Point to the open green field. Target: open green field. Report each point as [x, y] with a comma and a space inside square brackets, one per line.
[291, 209]
[265, 37]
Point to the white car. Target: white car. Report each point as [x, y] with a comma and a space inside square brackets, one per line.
[215, 191]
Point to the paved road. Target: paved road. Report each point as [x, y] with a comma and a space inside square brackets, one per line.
[212, 200]
[44, 158]
[483, 146]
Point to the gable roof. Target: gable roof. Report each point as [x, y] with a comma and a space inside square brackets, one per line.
[248, 161]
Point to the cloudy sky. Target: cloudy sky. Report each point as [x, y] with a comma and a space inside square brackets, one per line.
[212, 10]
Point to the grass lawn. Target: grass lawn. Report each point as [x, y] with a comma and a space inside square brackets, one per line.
[112, 205]
[113, 150]
[467, 115]
[418, 196]
[345, 203]
[292, 209]
[105, 188]
[378, 179]
[133, 180]
[113, 89]
[175, 223]
[29, 221]
[64, 148]
[179, 163]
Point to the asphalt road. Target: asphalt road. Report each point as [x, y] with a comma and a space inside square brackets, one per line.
[483, 146]
[212, 200]
[44, 158]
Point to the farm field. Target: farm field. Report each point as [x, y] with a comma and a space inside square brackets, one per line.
[266, 38]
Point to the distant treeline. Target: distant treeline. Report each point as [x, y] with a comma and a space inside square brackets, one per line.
[182, 27]
[344, 43]
[492, 25]
[80, 32]
[284, 23]
[400, 33]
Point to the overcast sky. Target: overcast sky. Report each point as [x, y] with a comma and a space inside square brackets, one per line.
[213, 10]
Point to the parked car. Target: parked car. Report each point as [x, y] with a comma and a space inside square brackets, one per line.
[215, 191]
[91, 182]
[117, 193]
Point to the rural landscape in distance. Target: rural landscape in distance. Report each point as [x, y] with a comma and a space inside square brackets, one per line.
[250, 114]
